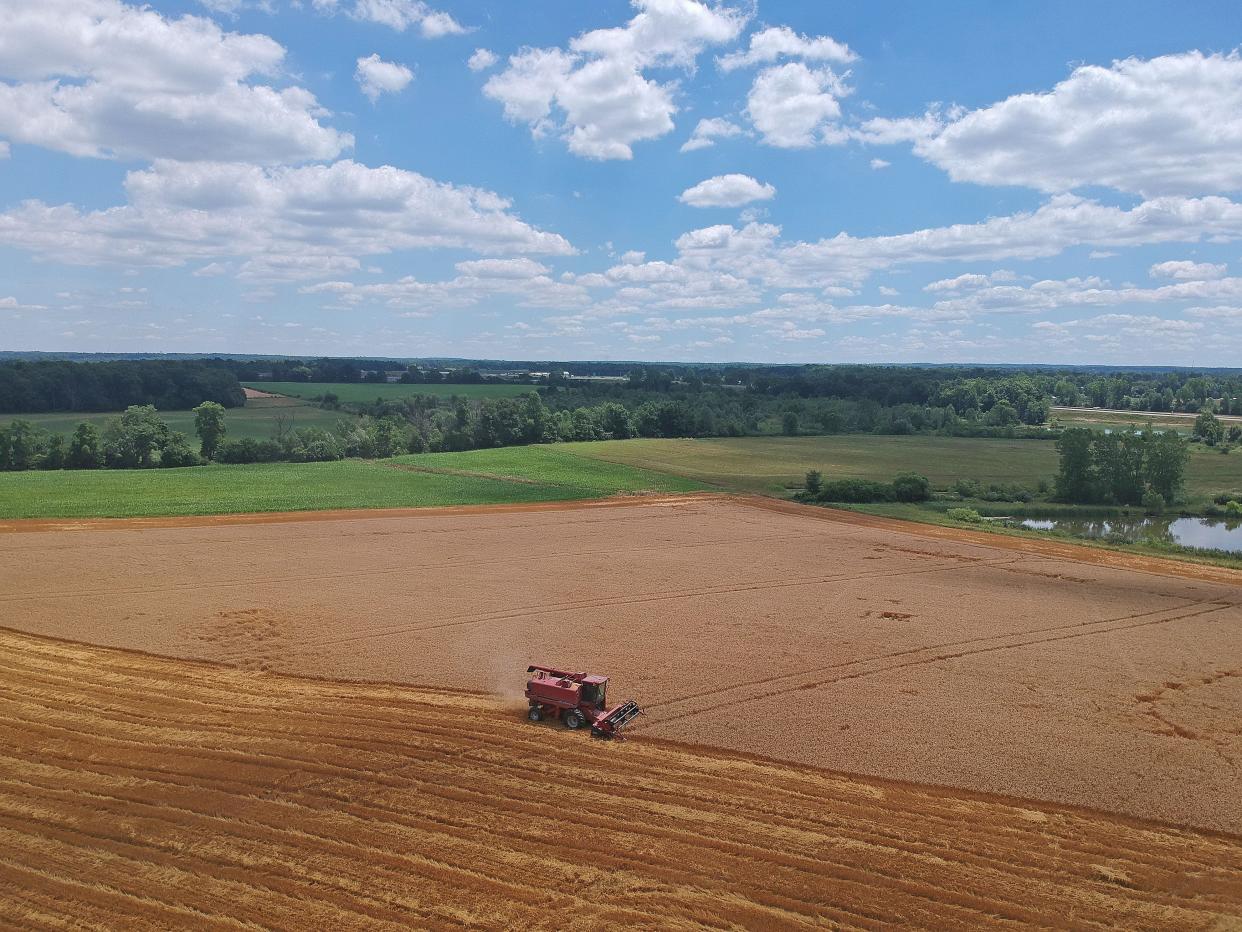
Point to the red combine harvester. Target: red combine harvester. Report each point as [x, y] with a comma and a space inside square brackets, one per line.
[578, 699]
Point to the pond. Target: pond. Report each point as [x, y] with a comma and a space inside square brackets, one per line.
[1199, 533]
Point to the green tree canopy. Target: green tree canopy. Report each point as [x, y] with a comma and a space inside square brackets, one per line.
[209, 425]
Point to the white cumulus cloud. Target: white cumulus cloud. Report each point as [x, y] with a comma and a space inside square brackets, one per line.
[1166, 125]
[277, 223]
[376, 76]
[775, 42]
[481, 60]
[101, 78]
[706, 132]
[399, 15]
[793, 106]
[595, 94]
[731, 190]
[1185, 270]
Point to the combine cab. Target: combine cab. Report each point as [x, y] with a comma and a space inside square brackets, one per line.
[577, 699]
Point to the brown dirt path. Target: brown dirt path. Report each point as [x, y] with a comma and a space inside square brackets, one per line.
[142, 792]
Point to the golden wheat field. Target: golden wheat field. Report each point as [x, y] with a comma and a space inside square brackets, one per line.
[144, 792]
[816, 637]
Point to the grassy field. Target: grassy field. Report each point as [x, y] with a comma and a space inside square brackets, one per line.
[368, 393]
[526, 474]
[1107, 417]
[257, 420]
[775, 465]
[766, 465]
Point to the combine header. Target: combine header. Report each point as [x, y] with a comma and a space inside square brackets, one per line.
[578, 699]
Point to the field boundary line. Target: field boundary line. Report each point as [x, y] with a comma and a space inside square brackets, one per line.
[155, 522]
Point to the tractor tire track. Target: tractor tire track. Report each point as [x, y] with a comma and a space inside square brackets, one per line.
[927, 660]
[545, 608]
[811, 671]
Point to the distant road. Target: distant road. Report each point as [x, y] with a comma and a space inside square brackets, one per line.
[1170, 414]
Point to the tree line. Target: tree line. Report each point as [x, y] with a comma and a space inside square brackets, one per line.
[137, 439]
[44, 387]
[1186, 392]
[351, 371]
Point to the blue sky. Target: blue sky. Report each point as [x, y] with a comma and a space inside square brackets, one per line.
[657, 179]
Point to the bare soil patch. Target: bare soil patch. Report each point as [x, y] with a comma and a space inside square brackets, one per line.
[144, 792]
[821, 638]
[255, 393]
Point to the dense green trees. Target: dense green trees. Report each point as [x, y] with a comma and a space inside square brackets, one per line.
[138, 439]
[1166, 459]
[1209, 429]
[1120, 467]
[86, 448]
[909, 487]
[38, 387]
[1187, 392]
[351, 371]
[651, 402]
[21, 445]
[1075, 481]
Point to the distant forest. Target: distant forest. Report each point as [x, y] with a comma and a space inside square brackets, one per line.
[647, 401]
[45, 387]
[1003, 396]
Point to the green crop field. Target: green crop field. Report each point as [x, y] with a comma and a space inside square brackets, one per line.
[256, 420]
[771, 465]
[774, 465]
[515, 474]
[363, 393]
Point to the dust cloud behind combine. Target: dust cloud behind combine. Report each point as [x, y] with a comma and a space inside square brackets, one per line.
[870, 649]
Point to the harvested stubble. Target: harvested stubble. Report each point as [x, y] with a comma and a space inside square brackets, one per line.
[144, 792]
[899, 651]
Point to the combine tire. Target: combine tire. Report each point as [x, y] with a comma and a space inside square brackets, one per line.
[574, 719]
[535, 714]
